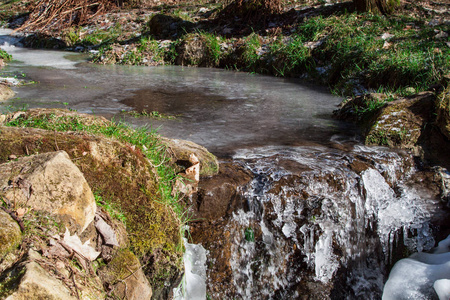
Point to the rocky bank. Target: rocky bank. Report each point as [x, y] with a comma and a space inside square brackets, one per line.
[82, 215]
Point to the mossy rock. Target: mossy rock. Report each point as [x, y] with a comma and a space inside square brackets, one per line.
[443, 112]
[401, 123]
[125, 275]
[361, 109]
[119, 173]
[10, 234]
[182, 149]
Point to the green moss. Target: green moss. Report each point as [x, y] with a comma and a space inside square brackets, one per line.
[123, 264]
[4, 55]
[9, 281]
[10, 234]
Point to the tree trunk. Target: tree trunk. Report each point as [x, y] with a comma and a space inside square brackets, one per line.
[383, 6]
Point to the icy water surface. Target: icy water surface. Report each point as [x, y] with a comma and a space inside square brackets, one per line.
[221, 110]
[218, 109]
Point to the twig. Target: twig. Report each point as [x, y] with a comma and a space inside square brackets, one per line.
[74, 283]
[15, 217]
[56, 143]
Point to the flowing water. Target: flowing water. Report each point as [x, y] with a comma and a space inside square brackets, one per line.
[323, 215]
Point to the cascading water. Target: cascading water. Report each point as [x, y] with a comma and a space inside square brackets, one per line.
[323, 223]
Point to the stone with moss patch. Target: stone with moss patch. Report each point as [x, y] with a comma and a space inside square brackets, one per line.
[10, 234]
[401, 123]
[125, 275]
[49, 182]
[36, 283]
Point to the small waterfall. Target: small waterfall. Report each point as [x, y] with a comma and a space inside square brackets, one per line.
[319, 222]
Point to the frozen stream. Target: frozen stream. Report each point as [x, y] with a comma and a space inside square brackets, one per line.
[324, 214]
[221, 110]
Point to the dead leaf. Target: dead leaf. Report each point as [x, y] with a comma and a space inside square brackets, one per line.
[56, 251]
[75, 243]
[387, 36]
[20, 212]
[107, 232]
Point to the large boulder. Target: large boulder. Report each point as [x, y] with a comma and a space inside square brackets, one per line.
[49, 182]
[10, 234]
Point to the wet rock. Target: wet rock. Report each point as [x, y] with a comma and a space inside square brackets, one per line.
[52, 183]
[443, 180]
[182, 149]
[125, 277]
[443, 113]
[5, 93]
[10, 234]
[218, 196]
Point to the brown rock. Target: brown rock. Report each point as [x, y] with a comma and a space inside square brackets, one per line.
[217, 196]
[52, 183]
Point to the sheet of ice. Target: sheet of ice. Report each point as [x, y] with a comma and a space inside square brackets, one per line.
[34, 57]
[442, 288]
[421, 276]
[193, 285]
